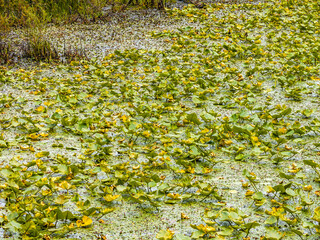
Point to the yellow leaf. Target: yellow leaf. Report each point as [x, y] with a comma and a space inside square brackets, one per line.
[270, 189]
[282, 130]
[307, 188]
[245, 184]
[249, 193]
[24, 147]
[79, 223]
[110, 198]
[33, 136]
[184, 216]
[60, 199]
[41, 154]
[86, 221]
[175, 196]
[65, 185]
[254, 139]
[71, 226]
[233, 191]
[135, 167]
[146, 134]
[107, 210]
[46, 192]
[165, 235]
[40, 109]
[207, 170]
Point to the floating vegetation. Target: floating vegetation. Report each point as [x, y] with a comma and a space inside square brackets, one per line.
[226, 121]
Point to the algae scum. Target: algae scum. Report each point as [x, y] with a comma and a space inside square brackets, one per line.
[216, 137]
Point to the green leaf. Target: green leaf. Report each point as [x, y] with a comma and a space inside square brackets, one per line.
[193, 118]
[311, 163]
[251, 225]
[3, 144]
[165, 235]
[14, 226]
[290, 192]
[316, 215]
[258, 196]
[271, 220]
[194, 150]
[274, 235]
[12, 216]
[197, 234]
[196, 100]
[283, 175]
[179, 236]
[226, 231]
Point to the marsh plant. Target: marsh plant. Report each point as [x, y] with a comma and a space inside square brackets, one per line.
[26, 13]
[38, 48]
[159, 130]
[5, 52]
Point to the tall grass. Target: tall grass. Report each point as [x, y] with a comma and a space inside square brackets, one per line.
[5, 52]
[34, 14]
[30, 13]
[38, 48]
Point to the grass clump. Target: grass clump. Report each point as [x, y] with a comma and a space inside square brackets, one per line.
[25, 13]
[5, 52]
[38, 48]
[73, 54]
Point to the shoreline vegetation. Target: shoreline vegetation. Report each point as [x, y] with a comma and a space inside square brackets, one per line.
[25, 13]
[32, 18]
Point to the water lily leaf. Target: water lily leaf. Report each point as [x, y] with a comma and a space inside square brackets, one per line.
[286, 176]
[3, 144]
[207, 117]
[179, 236]
[196, 100]
[165, 235]
[307, 224]
[110, 197]
[5, 172]
[307, 112]
[14, 226]
[90, 211]
[193, 118]
[13, 184]
[311, 163]
[85, 221]
[197, 234]
[290, 192]
[274, 234]
[251, 225]
[316, 215]
[121, 188]
[226, 231]
[258, 196]
[194, 150]
[69, 215]
[42, 154]
[271, 220]
[60, 200]
[12, 216]
[239, 129]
